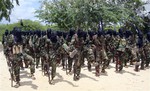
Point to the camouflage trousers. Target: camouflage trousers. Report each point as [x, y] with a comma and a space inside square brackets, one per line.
[143, 61]
[53, 69]
[119, 62]
[30, 62]
[76, 70]
[77, 66]
[90, 60]
[70, 61]
[37, 59]
[147, 62]
[16, 66]
[49, 64]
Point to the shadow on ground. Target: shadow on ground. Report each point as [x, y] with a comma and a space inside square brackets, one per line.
[29, 83]
[86, 76]
[61, 79]
[124, 71]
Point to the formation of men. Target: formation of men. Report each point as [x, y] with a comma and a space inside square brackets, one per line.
[70, 49]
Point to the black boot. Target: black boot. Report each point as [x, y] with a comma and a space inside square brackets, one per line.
[136, 68]
[89, 67]
[103, 71]
[75, 77]
[142, 66]
[97, 71]
[117, 67]
[17, 84]
[120, 67]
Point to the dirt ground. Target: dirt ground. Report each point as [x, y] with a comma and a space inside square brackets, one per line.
[127, 80]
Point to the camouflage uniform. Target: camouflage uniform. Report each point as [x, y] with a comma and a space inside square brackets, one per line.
[49, 57]
[138, 59]
[103, 53]
[78, 59]
[142, 57]
[8, 44]
[36, 50]
[16, 63]
[134, 52]
[147, 53]
[97, 53]
[62, 52]
[90, 56]
[119, 55]
[54, 55]
[43, 49]
[109, 49]
[53, 65]
[28, 58]
[70, 42]
[45, 58]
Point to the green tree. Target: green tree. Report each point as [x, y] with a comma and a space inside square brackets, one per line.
[31, 25]
[87, 14]
[6, 7]
[133, 10]
[27, 25]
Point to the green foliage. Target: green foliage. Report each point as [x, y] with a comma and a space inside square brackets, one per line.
[6, 7]
[32, 25]
[87, 14]
[2, 30]
[28, 25]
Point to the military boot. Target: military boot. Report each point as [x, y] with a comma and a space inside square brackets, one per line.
[17, 84]
[120, 67]
[89, 66]
[136, 68]
[97, 71]
[142, 65]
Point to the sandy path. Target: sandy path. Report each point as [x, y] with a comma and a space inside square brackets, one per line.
[127, 80]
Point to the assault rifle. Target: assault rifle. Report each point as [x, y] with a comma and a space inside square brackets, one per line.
[11, 68]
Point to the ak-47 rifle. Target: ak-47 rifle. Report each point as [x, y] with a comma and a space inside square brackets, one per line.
[66, 66]
[64, 48]
[11, 68]
[48, 73]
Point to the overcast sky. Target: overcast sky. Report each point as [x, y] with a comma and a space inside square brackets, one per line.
[27, 8]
